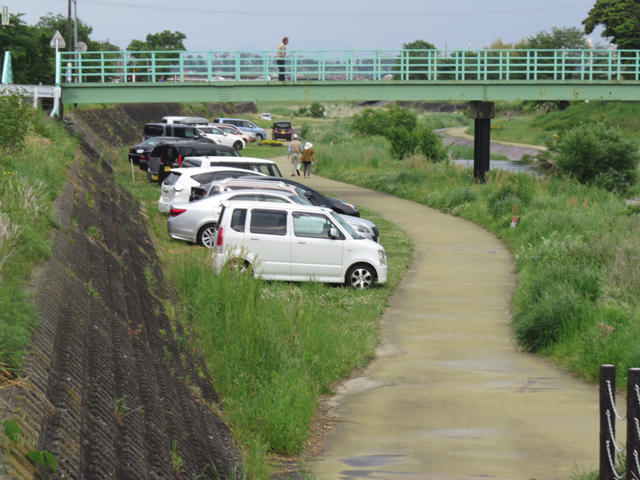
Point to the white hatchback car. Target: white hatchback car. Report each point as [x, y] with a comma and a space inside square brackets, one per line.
[220, 137]
[176, 188]
[296, 243]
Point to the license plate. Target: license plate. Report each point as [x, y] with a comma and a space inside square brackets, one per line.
[282, 131]
[166, 169]
[155, 177]
[140, 150]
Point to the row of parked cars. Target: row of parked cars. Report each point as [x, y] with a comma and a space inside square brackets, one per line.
[253, 218]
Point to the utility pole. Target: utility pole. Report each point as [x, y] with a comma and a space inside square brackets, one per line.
[69, 44]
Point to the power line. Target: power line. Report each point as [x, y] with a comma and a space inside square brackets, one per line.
[333, 15]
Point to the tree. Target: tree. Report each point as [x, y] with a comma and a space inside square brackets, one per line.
[416, 59]
[557, 39]
[165, 40]
[620, 19]
[31, 58]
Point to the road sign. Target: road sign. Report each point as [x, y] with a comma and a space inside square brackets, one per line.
[57, 41]
[81, 47]
[5, 15]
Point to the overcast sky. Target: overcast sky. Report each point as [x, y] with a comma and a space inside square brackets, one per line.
[315, 25]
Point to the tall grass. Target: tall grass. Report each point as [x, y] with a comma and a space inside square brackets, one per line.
[271, 347]
[575, 249]
[32, 173]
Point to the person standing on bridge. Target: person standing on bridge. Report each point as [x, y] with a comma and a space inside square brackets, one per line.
[308, 158]
[295, 149]
[282, 54]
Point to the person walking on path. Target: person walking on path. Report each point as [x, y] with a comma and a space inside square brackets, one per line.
[282, 53]
[307, 158]
[295, 149]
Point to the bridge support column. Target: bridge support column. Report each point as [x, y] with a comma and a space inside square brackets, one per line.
[482, 113]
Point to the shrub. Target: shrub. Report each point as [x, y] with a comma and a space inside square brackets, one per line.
[430, 145]
[595, 153]
[377, 122]
[403, 142]
[316, 110]
[15, 114]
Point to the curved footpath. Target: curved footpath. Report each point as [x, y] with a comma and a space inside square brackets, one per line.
[449, 397]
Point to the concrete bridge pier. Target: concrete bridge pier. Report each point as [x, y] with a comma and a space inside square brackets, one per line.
[482, 113]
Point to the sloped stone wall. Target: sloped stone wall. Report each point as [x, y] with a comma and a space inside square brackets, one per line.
[103, 339]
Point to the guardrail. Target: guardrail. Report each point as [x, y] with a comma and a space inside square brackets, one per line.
[521, 66]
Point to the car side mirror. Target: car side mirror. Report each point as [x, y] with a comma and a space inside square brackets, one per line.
[333, 232]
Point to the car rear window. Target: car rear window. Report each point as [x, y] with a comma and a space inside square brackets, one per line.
[154, 130]
[238, 219]
[202, 178]
[185, 132]
[282, 124]
[192, 163]
[172, 178]
[268, 222]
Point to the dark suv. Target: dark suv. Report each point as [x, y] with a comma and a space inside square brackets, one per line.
[139, 154]
[169, 155]
[281, 130]
[172, 130]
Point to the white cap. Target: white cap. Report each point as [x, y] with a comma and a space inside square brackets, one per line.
[308, 145]
[295, 135]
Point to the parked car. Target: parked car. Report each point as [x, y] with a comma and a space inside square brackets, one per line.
[265, 116]
[196, 222]
[170, 155]
[140, 152]
[244, 125]
[319, 199]
[281, 130]
[221, 138]
[257, 165]
[186, 120]
[364, 227]
[176, 188]
[171, 130]
[293, 242]
[233, 130]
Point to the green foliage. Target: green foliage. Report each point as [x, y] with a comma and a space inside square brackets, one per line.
[595, 153]
[430, 145]
[31, 175]
[416, 59]
[575, 248]
[558, 39]
[15, 115]
[620, 18]
[15, 436]
[165, 40]
[316, 110]
[403, 142]
[377, 121]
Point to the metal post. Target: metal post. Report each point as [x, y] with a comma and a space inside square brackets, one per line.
[69, 46]
[633, 423]
[607, 422]
[482, 112]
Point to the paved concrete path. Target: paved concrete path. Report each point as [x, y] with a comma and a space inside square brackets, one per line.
[448, 396]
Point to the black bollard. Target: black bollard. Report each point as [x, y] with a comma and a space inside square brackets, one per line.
[633, 423]
[607, 425]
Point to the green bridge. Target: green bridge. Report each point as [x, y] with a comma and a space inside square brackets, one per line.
[353, 75]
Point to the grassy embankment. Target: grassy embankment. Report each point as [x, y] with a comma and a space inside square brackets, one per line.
[273, 348]
[31, 176]
[575, 247]
[538, 129]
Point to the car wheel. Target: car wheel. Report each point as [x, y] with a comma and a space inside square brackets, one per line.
[207, 235]
[360, 276]
[258, 138]
[237, 145]
[238, 265]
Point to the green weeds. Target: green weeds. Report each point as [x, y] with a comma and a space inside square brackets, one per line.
[575, 249]
[32, 172]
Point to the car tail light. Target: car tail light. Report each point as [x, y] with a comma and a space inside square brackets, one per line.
[220, 240]
[179, 160]
[131, 150]
[174, 212]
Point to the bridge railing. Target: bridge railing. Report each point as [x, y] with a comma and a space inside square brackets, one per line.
[351, 65]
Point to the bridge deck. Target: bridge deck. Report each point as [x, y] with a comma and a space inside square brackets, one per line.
[106, 77]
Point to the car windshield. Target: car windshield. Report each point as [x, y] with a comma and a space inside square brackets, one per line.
[306, 194]
[346, 226]
[299, 200]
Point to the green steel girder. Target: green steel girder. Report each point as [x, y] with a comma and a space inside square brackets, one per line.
[144, 92]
